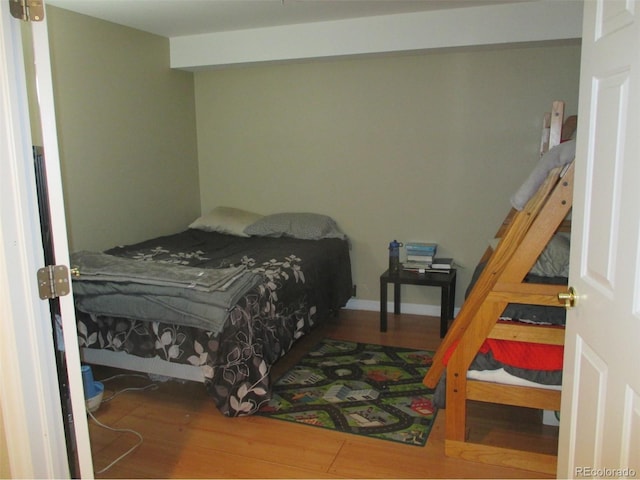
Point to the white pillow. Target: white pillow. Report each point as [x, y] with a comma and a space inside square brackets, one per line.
[228, 220]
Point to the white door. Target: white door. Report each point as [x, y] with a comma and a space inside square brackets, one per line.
[29, 396]
[600, 421]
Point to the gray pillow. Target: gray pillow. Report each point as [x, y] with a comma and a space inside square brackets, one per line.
[305, 226]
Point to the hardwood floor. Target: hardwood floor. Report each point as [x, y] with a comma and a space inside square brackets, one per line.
[186, 437]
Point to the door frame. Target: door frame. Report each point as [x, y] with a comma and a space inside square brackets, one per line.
[29, 397]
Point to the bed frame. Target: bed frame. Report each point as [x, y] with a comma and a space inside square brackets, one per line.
[523, 236]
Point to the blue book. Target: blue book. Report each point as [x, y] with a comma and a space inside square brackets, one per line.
[424, 248]
[421, 245]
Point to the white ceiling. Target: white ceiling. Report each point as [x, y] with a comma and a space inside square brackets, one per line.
[175, 18]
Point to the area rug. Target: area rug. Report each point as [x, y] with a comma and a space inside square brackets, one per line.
[358, 388]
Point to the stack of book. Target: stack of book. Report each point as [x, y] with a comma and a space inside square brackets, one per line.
[420, 255]
[443, 265]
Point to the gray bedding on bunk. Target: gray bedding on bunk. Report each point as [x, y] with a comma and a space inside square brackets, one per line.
[535, 314]
[558, 156]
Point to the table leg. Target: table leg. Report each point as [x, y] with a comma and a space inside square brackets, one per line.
[396, 298]
[447, 306]
[383, 306]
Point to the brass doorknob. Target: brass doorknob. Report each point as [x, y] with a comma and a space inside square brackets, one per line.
[569, 298]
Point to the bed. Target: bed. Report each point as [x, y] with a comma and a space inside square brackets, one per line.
[219, 302]
[506, 344]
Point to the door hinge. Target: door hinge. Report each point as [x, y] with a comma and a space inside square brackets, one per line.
[53, 281]
[27, 10]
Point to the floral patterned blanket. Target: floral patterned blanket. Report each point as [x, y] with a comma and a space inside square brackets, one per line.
[302, 282]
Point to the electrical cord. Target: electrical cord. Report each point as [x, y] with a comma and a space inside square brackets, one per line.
[149, 387]
[122, 430]
[153, 386]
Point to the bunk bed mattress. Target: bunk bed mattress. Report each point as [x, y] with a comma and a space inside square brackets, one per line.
[511, 363]
[296, 283]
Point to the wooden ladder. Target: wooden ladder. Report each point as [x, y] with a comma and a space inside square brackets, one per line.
[523, 236]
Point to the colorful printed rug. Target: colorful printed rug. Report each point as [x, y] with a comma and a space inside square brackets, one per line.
[358, 388]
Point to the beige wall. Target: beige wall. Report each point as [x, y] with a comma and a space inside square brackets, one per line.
[413, 147]
[425, 146]
[126, 125]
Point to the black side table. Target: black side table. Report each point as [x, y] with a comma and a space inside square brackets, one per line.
[445, 280]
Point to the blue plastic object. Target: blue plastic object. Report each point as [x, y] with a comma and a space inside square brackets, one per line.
[91, 387]
[394, 257]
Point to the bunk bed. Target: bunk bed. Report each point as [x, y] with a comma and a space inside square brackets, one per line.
[504, 281]
[217, 303]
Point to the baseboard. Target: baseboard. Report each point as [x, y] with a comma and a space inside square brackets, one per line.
[413, 308]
